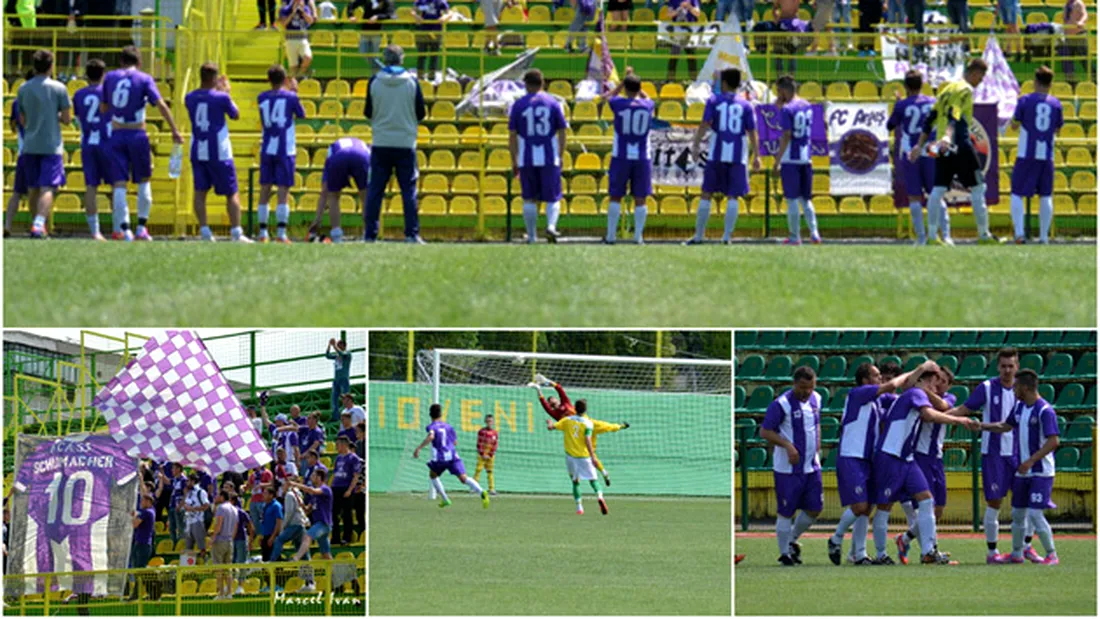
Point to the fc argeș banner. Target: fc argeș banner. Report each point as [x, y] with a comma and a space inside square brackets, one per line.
[859, 161]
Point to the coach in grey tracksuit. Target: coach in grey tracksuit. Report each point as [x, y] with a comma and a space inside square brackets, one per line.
[395, 107]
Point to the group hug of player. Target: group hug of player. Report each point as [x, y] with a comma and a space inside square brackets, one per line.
[891, 451]
[570, 418]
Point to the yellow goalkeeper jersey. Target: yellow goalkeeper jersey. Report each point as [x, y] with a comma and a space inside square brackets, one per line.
[955, 105]
[575, 428]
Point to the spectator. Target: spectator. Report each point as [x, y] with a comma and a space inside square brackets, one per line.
[206, 482]
[272, 522]
[1075, 16]
[314, 437]
[395, 107]
[296, 18]
[322, 516]
[428, 14]
[44, 106]
[959, 13]
[361, 442]
[895, 12]
[225, 528]
[142, 549]
[914, 14]
[870, 14]
[742, 8]
[284, 468]
[490, 12]
[346, 473]
[257, 423]
[337, 352]
[27, 12]
[350, 407]
[268, 17]
[620, 12]
[823, 15]
[259, 481]
[373, 11]
[245, 532]
[327, 10]
[682, 11]
[842, 14]
[195, 504]
[346, 427]
[176, 522]
[306, 470]
[299, 420]
[1009, 13]
[583, 12]
[294, 523]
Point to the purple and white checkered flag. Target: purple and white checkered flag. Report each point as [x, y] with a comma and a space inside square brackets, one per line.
[172, 403]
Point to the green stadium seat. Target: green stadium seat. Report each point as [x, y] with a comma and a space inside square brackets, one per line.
[809, 360]
[963, 339]
[1061, 425]
[738, 398]
[836, 403]
[798, 339]
[880, 339]
[1047, 339]
[824, 393]
[961, 392]
[954, 458]
[752, 367]
[744, 339]
[991, 339]
[830, 428]
[1090, 399]
[1066, 458]
[972, 367]
[913, 362]
[1071, 396]
[1085, 463]
[1086, 365]
[1059, 366]
[1046, 391]
[830, 457]
[779, 368]
[936, 339]
[856, 363]
[1019, 338]
[759, 399]
[834, 368]
[756, 458]
[1078, 338]
[950, 362]
[1032, 361]
[824, 339]
[1080, 428]
[852, 339]
[770, 339]
[907, 339]
[746, 428]
[890, 359]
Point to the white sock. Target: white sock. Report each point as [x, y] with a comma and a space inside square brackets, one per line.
[93, 224]
[916, 214]
[640, 213]
[1029, 530]
[926, 523]
[733, 205]
[991, 525]
[811, 218]
[262, 214]
[1046, 216]
[1017, 209]
[878, 531]
[910, 513]
[39, 221]
[613, 211]
[701, 218]
[859, 536]
[473, 485]
[205, 233]
[1019, 526]
[337, 235]
[431, 490]
[120, 211]
[531, 220]
[282, 213]
[935, 205]
[794, 231]
[553, 211]
[801, 523]
[981, 215]
[945, 221]
[144, 201]
[1042, 529]
[235, 232]
[783, 534]
[846, 520]
[437, 483]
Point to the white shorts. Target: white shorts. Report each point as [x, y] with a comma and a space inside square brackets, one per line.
[580, 468]
[298, 50]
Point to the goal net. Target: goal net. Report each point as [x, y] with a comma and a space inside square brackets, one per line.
[679, 411]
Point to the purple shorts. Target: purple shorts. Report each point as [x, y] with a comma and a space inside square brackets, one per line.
[1031, 178]
[997, 475]
[798, 180]
[455, 467]
[42, 170]
[278, 171]
[1033, 492]
[541, 184]
[932, 469]
[19, 185]
[728, 179]
[894, 479]
[795, 491]
[853, 480]
[98, 165]
[221, 175]
[131, 155]
[919, 177]
[343, 167]
[637, 173]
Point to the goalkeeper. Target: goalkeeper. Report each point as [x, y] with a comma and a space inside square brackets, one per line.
[560, 409]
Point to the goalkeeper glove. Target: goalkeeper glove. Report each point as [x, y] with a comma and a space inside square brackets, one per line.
[625, 425]
[542, 380]
[263, 398]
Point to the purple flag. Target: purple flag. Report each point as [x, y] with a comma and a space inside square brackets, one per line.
[767, 126]
[172, 403]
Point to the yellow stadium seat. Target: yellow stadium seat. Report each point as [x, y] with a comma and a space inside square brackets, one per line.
[538, 39]
[1064, 205]
[313, 180]
[319, 156]
[208, 587]
[447, 91]
[463, 205]
[347, 38]
[190, 587]
[164, 547]
[442, 110]
[821, 183]
[588, 161]
[337, 88]
[583, 205]
[1086, 90]
[983, 20]
[433, 205]
[251, 585]
[645, 41]
[566, 161]
[495, 184]
[499, 160]
[618, 41]
[465, 183]
[564, 15]
[1079, 156]
[1069, 112]
[322, 38]
[695, 112]
[404, 38]
[441, 160]
[1088, 110]
[672, 90]
[670, 111]
[539, 13]
[456, 40]
[294, 584]
[308, 204]
[674, 205]
[852, 205]
[348, 204]
[642, 15]
[310, 108]
[890, 88]
[357, 111]
[67, 203]
[495, 205]
[823, 205]
[160, 528]
[1083, 181]
[435, 183]
[76, 84]
[883, 205]
[1061, 183]
[423, 134]
[810, 91]
[865, 90]
[838, 91]
[156, 562]
[309, 88]
[585, 111]
[1086, 204]
[561, 88]
[445, 134]
[470, 160]
[1072, 131]
[330, 108]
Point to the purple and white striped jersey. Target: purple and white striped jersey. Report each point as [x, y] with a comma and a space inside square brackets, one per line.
[996, 402]
[930, 435]
[443, 443]
[797, 116]
[1040, 117]
[901, 423]
[536, 119]
[633, 118]
[908, 118]
[209, 110]
[94, 128]
[1034, 424]
[278, 110]
[126, 92]
[800, 423]
[859, 424]
[730, 119]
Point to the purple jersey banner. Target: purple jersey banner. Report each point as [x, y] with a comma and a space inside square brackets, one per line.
[71, 512]
[767, 125]
[172, 403]
[859, 161]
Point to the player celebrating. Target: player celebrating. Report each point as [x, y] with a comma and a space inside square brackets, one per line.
[1038, 116]
[536, 140]
[956, 157]
[211, 151]
[732, 124]
[631, 160]
[348, 159]
[561, 408]
[792, 425]
[94, 154]
[486, 451]
[909, 117]
[445, 457]
[894, 471]
[1034, 421]
[858, 431]
[580, 453]
[796, 119]
[279, 107]
[126, 92]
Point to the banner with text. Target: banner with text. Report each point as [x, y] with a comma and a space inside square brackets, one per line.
[940, 57]
[859, 161]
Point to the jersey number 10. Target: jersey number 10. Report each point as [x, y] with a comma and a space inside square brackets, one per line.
[55, 491]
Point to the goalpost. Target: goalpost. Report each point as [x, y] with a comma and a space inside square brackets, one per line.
[679, 411]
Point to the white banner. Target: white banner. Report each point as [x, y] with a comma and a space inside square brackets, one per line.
[941, 57]
[672, 163]
[688, 34]
[859, 162]
[1000, 86]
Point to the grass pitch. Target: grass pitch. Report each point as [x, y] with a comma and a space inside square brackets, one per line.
[534, 556]
[76, 282]
[764, 587]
